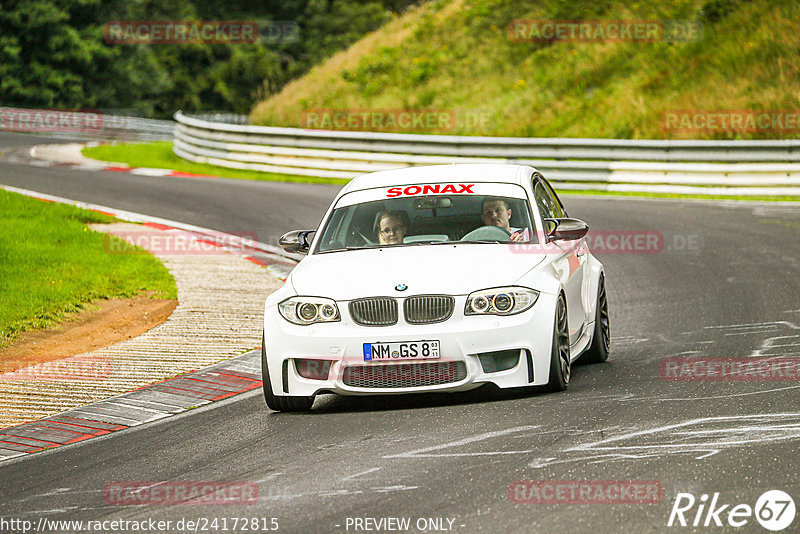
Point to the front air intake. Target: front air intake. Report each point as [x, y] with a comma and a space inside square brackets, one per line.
[404, 375]
[500, 360]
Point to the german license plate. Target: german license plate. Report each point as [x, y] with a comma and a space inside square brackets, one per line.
[401, 351]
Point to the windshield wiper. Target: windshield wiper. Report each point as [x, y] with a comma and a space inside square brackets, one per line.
[345, 248]
[479, 241]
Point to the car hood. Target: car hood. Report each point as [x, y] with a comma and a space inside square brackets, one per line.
[426, 269]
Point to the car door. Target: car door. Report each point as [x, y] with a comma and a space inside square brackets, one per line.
[570, 263]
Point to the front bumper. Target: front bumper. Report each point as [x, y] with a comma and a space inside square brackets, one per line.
[462, 340]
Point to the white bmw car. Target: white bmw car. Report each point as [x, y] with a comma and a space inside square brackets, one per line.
[429, 279]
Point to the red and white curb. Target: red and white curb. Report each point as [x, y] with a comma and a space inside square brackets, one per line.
[150, 403]
[142, 171]
[69, 155]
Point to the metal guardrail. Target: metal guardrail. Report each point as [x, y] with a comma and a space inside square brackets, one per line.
[144, 129]
[84, 124]
[709, 167]
[222, 117]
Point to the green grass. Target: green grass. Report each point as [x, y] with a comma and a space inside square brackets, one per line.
[52, 264]
[456, 56]
[159, 155]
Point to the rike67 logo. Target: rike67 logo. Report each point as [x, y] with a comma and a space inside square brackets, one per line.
[774, 510]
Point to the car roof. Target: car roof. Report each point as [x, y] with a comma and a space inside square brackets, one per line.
[471, 172]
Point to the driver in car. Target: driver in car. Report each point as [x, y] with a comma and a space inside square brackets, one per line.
[495, 212]
[393, 227]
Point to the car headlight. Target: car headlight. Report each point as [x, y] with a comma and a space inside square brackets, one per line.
[500, 301]
[309, 310]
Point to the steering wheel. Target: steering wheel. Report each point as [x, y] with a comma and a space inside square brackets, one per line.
[367, 241]
[488, 233]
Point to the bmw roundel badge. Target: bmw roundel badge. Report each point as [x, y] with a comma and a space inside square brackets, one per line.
[401, 287]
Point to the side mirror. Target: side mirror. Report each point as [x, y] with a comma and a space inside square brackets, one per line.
[566, 229]
[297, 241]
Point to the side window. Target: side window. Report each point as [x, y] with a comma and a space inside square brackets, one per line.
[334, 231]
[548, 207]
[559, 207]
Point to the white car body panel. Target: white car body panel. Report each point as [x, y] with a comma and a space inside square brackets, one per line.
[434, 269]
[456, 270]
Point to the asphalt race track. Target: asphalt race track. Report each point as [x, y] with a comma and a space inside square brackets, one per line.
[723, 283]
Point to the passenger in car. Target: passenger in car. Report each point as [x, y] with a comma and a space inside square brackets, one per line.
[496, 212]
[393, 227]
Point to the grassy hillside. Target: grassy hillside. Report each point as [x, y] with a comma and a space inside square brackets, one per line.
[456, 56]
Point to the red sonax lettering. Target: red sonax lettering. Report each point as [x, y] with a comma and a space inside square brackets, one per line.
[429, 189]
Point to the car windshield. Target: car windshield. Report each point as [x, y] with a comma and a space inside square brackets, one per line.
[406, 216]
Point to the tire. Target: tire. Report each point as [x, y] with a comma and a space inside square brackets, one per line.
[601, 338]
[560, 366]
[280, 403]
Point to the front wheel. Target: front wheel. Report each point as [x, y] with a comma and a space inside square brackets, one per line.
[601, 338]
[560, 366]
[280, 403]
